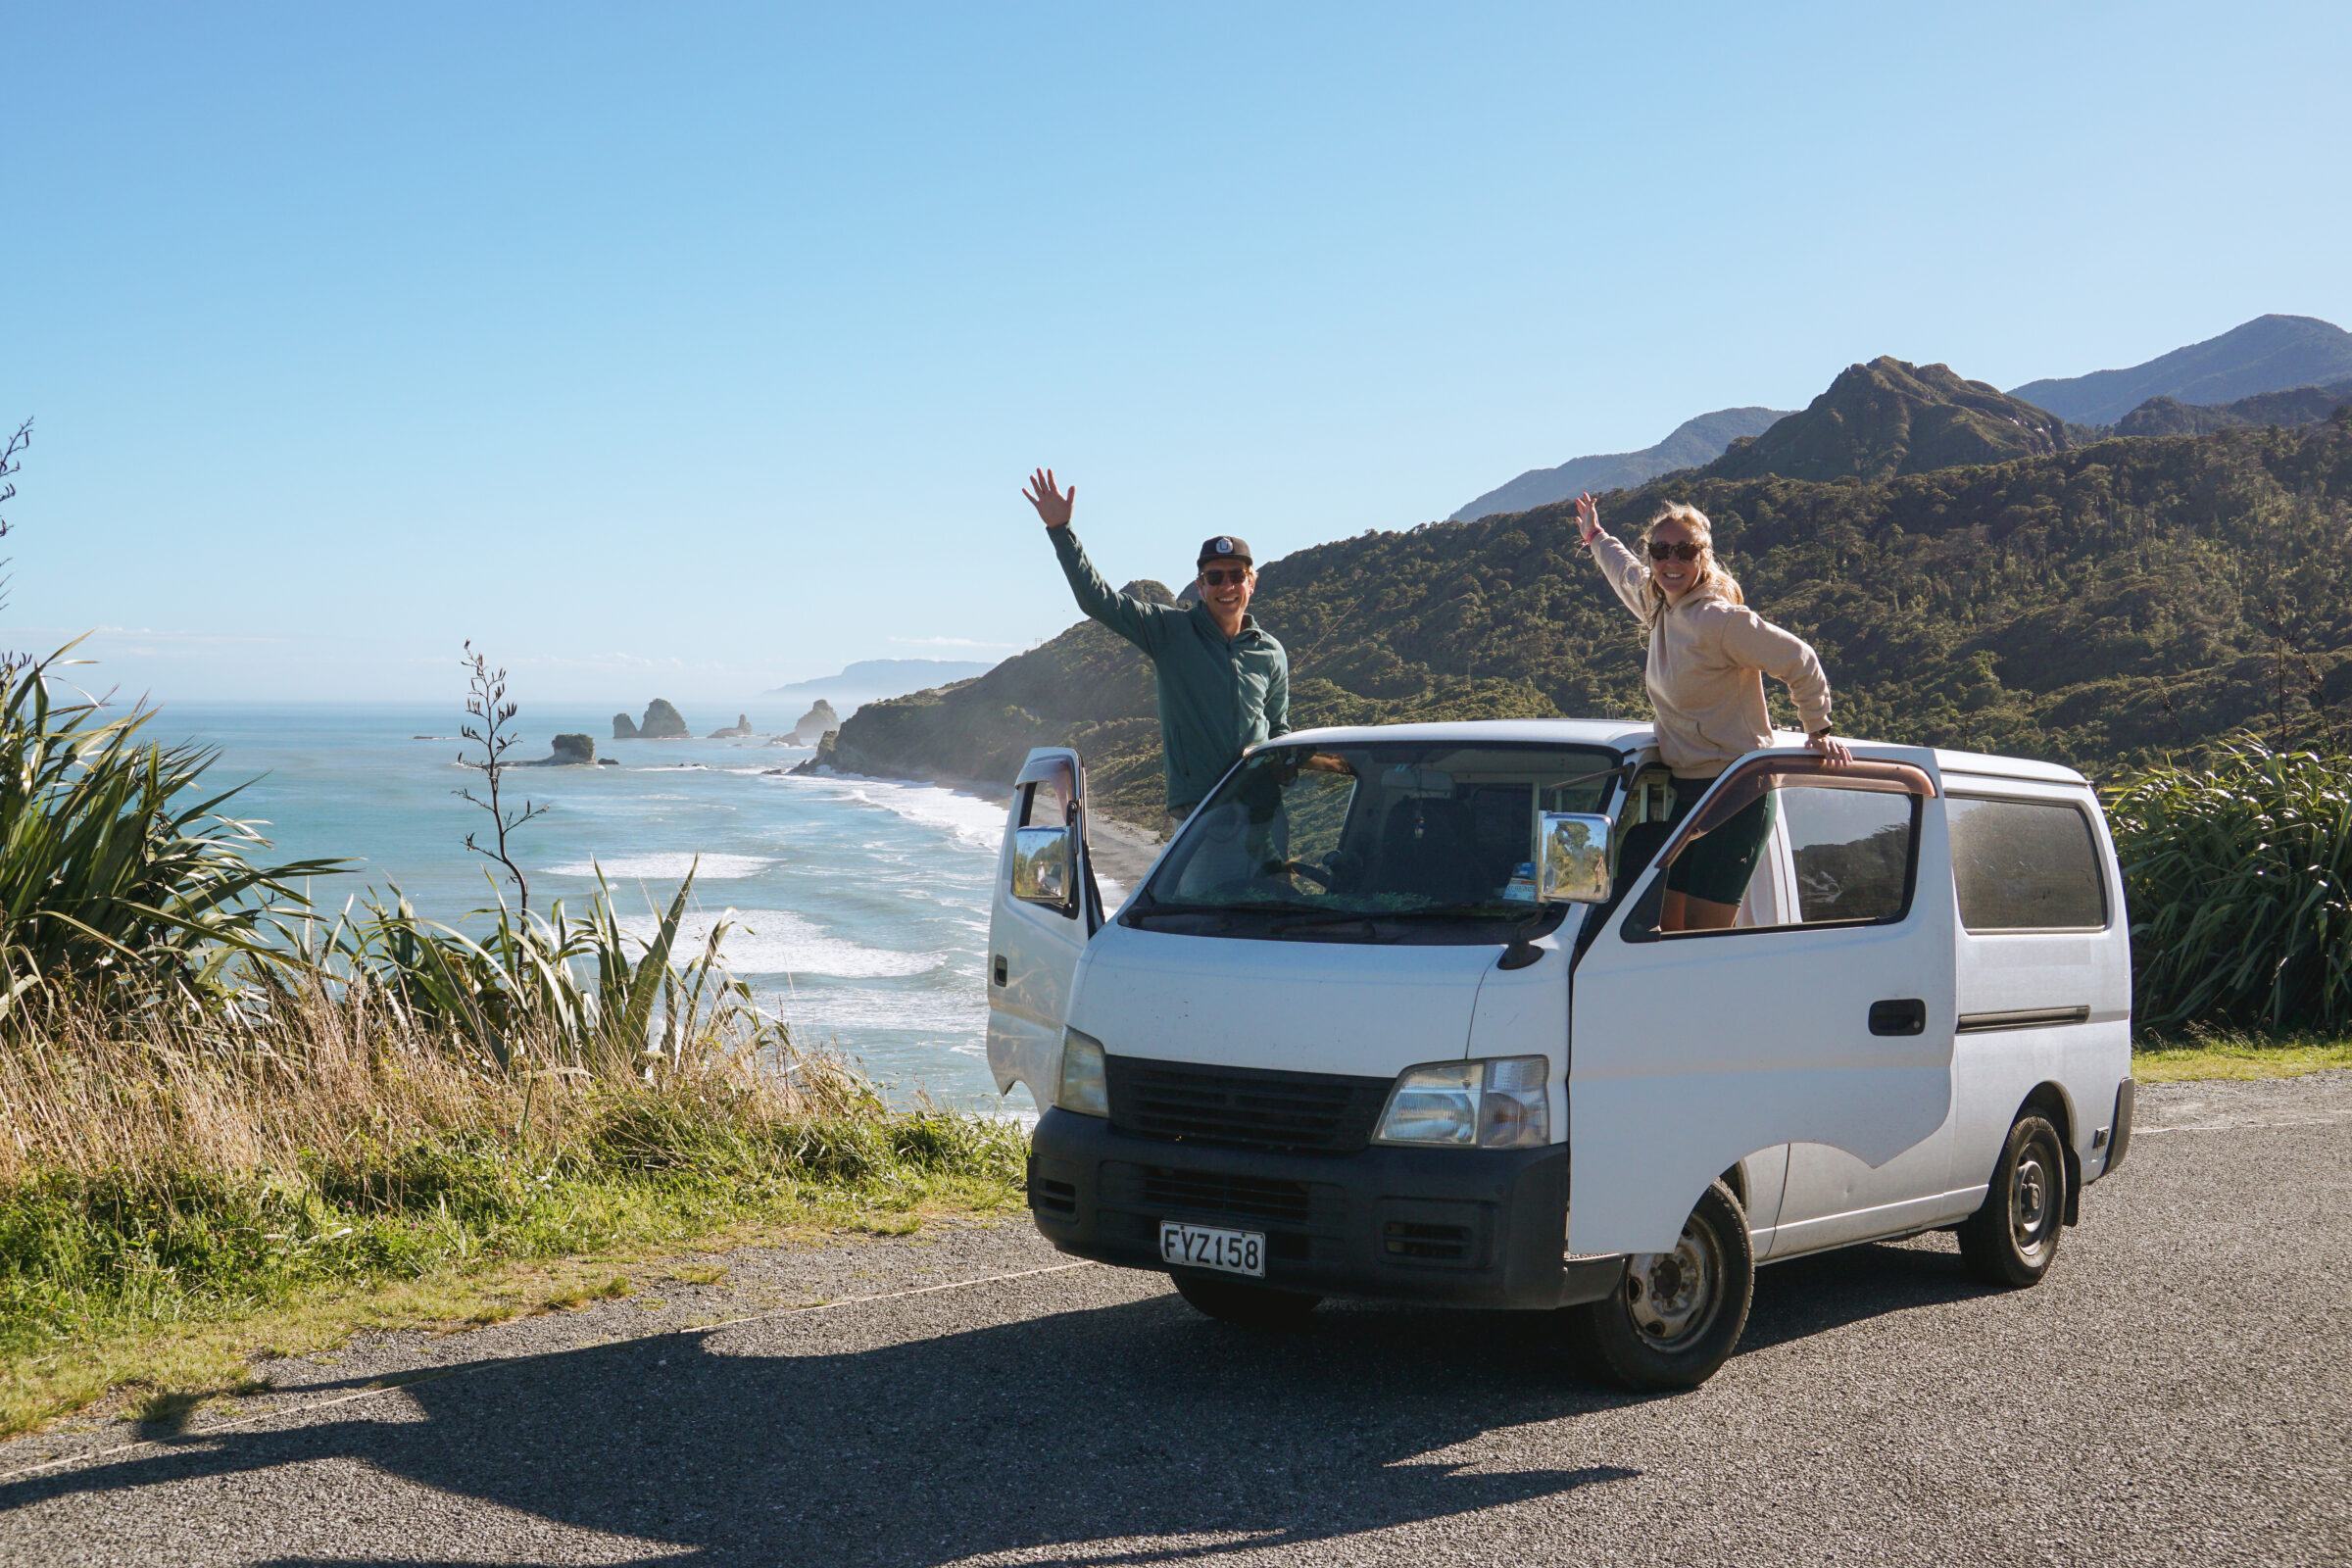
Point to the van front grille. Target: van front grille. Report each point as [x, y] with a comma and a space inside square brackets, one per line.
[1243, 1196]
[1245, 1107]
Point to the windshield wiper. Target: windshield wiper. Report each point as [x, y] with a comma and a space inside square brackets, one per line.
[1154, 910]
[1438, 912]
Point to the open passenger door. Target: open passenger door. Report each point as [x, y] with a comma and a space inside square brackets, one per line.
[1826, 1018]
[1045, 907]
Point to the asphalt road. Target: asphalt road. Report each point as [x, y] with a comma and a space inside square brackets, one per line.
[2179, 1389]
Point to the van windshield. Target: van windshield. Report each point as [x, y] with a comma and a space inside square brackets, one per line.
[1359, 841]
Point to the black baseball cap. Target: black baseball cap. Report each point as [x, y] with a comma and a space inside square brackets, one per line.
[1222, 546]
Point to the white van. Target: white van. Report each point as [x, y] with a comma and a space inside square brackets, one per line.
[1392, 1017]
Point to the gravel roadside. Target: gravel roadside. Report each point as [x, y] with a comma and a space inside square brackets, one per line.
[2177, 1390]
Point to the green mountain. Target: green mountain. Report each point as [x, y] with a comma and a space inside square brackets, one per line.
[1694, 442]
[2304, 405]
[1888, 418]
[2095, 607]
[2269, 354]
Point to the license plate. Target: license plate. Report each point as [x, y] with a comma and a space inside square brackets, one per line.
[1199, 1247]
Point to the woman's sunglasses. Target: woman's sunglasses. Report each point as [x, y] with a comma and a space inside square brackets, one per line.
[1218, 579]
[1660, 550]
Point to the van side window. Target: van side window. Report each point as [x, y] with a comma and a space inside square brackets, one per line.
[1852, 848]
[2026, 865]
[1043, 805]
[1852, 853]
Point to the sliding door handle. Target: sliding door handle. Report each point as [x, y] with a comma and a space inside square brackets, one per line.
[1907, 1016]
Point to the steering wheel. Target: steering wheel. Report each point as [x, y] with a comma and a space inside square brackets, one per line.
[1312, 873]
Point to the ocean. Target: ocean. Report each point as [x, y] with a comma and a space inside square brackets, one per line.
[860, 906]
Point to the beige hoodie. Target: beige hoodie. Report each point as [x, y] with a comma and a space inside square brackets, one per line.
[1704, 658]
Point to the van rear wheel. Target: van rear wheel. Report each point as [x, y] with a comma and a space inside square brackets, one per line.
[2012, 1237]
[1676, 1316]
[1254, 1306]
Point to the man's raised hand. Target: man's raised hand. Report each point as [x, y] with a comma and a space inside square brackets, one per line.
[1051, 503]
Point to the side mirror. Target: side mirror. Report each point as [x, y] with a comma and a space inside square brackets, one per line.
[1573, 858]
[1041, 865]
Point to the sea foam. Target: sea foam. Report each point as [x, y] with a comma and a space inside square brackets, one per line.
[667, 867]
[967, 817]
[778, 942]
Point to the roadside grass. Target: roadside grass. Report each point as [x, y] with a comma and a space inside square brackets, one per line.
[2235, 1053]
[179, 1337]
[180, 1193]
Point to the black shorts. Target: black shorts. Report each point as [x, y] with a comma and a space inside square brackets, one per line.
[1716, 866]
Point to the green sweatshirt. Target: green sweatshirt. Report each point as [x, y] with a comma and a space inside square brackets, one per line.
[1218, 695]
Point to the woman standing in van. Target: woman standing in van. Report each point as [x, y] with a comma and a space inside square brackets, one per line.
[1708, 656]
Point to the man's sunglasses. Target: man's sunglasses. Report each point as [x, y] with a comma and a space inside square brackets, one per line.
[1218, 579]
[1660, 550]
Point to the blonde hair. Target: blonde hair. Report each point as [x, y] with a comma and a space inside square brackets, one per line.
[1702, 534]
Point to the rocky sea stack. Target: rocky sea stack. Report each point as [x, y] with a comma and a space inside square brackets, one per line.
[735, 731]
[624, 728]
[815, 724]
[661, 722]
[568, 751]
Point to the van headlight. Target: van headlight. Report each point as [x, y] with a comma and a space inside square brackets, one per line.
[1495, 1104]
[1082, 1088]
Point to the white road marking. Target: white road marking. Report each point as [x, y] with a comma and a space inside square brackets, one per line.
[2327, 1119]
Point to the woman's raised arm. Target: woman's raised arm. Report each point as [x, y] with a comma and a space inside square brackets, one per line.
[1625, 573]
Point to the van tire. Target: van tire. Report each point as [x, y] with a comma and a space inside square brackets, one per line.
[1705, 1285]
[1251, 1306]
[2012, 1237]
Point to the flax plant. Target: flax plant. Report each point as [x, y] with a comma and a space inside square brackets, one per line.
[119, 877]
[2239, 881]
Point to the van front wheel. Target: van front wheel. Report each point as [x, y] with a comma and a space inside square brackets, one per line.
[1676, 1316]
[1254, 1306]
[2013, 1238]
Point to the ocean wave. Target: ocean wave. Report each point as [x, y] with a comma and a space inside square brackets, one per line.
[763, 942]
[663, 868]
[967, 817]
[937, 1009]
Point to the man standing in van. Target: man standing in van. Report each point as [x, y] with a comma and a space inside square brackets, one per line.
[1224, 682]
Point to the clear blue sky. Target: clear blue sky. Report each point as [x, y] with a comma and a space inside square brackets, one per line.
[683, 350]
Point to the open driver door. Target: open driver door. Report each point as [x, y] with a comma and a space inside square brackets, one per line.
[1044, 909]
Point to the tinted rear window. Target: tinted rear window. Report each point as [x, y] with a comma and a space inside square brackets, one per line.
[2026, 865]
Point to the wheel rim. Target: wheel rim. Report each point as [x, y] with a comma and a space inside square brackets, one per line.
[1673, 1297]
[2032, 1200]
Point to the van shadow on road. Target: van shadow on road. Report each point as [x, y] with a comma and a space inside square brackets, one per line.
[1136, 1420]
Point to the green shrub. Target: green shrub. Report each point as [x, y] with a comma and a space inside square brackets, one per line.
[2239, 881]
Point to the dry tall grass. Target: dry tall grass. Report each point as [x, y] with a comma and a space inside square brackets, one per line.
[262, 1090]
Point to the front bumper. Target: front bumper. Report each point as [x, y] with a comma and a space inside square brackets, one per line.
[1453, 1227]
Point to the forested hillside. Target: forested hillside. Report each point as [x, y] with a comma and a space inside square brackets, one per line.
[2304, 405]
[2095, 607]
